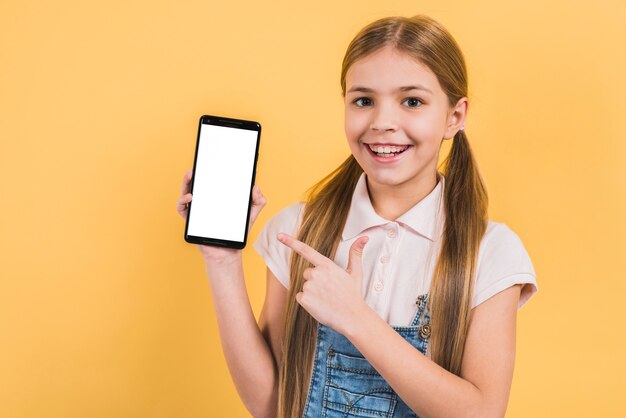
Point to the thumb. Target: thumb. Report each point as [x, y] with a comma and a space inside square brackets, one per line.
[355, 257]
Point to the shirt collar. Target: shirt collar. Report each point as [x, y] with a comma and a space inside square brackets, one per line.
[423, 218]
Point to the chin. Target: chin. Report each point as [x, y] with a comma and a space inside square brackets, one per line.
[386, 177]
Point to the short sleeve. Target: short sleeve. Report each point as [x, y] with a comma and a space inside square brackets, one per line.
[503, 262]
[275, 254]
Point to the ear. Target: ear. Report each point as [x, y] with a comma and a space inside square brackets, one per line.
[456, 118]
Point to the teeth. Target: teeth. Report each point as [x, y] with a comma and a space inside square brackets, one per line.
[387, 149]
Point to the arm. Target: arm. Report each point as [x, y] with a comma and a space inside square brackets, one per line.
[250, 360]
[430, 390]
[247, 354]
[249, 351]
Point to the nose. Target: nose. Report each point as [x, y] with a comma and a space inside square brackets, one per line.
[383, 119]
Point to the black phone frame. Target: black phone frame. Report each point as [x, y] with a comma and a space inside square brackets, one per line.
[232, 123]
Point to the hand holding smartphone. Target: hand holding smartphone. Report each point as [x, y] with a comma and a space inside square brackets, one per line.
[222, 182]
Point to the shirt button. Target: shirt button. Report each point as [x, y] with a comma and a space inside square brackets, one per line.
[379, 286]
[391, 233]
[384, 259]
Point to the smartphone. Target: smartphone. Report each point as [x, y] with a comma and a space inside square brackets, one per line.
[224, 170]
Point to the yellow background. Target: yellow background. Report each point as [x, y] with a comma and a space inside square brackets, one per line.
[105, 311]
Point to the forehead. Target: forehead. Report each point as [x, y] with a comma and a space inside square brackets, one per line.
[387, 69]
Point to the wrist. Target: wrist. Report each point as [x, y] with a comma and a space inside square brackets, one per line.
[223, 260]
[361, 318]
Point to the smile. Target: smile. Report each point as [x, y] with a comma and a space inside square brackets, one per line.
[386, 153]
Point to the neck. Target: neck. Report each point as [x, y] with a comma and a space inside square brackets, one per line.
[391, 201]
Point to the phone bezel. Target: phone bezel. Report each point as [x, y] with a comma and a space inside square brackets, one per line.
[233, 123]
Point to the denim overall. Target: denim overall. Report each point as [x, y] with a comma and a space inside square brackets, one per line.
[344, 384]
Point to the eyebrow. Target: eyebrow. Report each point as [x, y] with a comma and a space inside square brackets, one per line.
[403, 88]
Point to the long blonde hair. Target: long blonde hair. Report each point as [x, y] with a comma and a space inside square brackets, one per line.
[328, 203]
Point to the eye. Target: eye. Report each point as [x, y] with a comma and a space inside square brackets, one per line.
[362, 101]
[413, 102]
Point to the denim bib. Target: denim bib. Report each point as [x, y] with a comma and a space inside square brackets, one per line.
[344, 384]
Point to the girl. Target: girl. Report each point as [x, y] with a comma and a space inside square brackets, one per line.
[389, 291]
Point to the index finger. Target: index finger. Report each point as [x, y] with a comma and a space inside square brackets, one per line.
[301, 248]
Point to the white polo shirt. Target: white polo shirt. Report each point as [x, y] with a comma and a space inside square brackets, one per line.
[399, 257]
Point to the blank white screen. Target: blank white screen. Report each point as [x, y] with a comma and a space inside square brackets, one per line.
[221, 188]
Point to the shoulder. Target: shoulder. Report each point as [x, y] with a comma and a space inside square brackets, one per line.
[503, 261]
[501, 240]
[289, 217]
[286, 220]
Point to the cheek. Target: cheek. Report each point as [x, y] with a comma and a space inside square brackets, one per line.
[426, 129]
[355, 125]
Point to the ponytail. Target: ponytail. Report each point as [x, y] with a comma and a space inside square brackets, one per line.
[324, 217]
[452, 289]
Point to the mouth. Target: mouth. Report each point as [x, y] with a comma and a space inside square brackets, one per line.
[386, 150]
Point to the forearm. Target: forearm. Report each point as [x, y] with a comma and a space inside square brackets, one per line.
[427, 388]
[247, 353]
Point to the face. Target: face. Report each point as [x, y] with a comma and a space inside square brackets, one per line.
[396, 118]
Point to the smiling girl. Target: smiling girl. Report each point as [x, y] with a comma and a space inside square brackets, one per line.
[389, 291]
